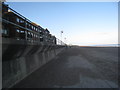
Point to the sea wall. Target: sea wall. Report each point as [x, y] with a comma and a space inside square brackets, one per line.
[21, 58]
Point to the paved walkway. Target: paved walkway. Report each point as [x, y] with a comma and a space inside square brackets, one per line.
[77, 68]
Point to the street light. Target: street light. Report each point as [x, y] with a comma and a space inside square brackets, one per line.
[61, 36]
[65, 40]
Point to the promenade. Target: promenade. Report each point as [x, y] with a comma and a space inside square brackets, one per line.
[77, 67]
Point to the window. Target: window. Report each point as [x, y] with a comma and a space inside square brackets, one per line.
[26, 23]
[41, 39]
[17, 30]
[4, 31]
[21, 31]
[41, 32]
[17, 19]
[34, 35]
[36, 29]
[21, 21]
[32, 27]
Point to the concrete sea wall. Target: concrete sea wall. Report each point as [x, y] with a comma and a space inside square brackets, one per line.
[20, 58]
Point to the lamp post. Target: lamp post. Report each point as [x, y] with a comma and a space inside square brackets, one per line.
[65, 40]
[61, 36]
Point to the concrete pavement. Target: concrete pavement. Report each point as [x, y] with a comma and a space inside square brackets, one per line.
[80, 67]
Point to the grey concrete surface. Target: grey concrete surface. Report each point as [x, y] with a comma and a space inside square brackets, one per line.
[0, 46]
[20, 60]
[77, 68]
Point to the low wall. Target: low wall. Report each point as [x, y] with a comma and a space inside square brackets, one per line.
[22, 58]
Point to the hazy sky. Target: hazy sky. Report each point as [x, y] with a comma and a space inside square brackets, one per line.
[83, 23]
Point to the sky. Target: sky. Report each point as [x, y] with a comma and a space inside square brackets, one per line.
[82, 23]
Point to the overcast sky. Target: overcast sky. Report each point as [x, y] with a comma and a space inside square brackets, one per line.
[82, 23]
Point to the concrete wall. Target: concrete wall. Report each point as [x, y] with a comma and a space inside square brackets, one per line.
[21, 58]
[0, 47]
